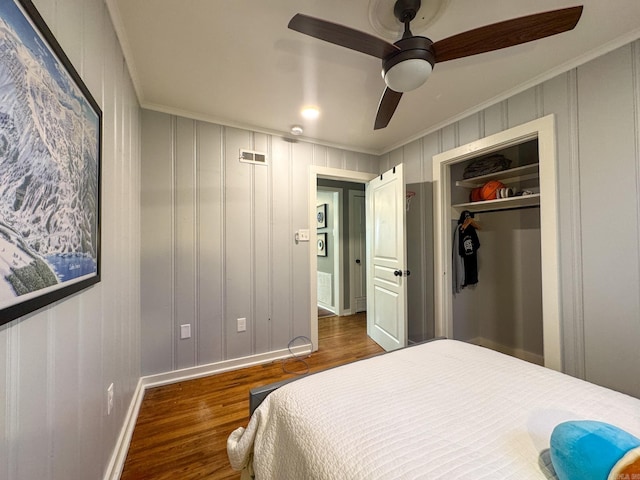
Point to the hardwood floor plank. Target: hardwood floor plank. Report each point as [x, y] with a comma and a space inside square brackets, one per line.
[182, 429]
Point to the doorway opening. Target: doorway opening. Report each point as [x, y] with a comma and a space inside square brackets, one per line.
[326, 176]
[341, 247]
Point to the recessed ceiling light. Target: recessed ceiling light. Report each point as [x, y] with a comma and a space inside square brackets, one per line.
[296, 130]
[310, 113]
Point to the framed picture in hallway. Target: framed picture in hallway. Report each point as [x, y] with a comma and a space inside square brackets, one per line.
[322, 244]
[50, 154]
[321, 216]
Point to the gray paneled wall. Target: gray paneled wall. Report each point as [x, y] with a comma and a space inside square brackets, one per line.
[597, 109]
[219, 240]
[56, 364]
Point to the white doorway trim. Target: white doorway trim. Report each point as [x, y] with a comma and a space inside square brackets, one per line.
[316, 172]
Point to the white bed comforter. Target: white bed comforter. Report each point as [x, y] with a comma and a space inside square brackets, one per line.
[441, 410]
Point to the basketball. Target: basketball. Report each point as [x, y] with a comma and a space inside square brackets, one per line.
[476, 195]
[490, 189]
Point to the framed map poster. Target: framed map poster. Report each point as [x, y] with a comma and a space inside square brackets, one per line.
[50, 154]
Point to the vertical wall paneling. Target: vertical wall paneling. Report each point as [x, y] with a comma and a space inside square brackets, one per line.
[91, 350]
[92, 67]
[238, 198]
[522, 107]
[33, 398]
[384, 163]
[262, 247]
[396, 157]
[320, 156]
[449, 137]
[495, 118]
[300, 163]
[412, 161]
[157, 236]
[469, 129]
[210, 225]
[560, 97]
[609, 197]
[350, 161]
[185, 235]
[90, 409]
[108, 247]
[232, 239]
[282, 241]
[335, 158]
[64, 368]
[430, 147]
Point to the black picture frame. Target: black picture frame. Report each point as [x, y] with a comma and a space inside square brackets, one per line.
[322, 245]
[321, 216]
[50, 169]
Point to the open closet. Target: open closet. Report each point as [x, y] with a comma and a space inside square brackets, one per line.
[506, 183]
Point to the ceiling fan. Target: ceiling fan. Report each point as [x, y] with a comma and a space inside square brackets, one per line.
[407, 63]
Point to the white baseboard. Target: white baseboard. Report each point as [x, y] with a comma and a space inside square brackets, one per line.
[119, 456]
[514, 352]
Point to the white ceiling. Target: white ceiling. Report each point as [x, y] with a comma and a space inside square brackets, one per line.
[235, 62]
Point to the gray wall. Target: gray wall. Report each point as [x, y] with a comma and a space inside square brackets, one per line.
[420, 314]
[597, 109]
[56, 364]
[219, 240]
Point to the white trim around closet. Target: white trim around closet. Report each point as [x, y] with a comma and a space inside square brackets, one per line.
[544, 130]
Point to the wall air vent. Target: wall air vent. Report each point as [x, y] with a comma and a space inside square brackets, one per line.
[249, 156]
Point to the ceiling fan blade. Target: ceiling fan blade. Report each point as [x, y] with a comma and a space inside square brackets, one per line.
[507, 34]
[341, 35]
[386, 108]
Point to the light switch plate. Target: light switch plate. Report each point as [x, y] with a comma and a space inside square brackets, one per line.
[303, 235]
[242, 324]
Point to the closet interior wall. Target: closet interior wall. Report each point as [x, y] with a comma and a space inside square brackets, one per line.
[504, 310]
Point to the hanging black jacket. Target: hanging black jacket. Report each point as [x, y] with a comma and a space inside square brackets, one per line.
[468, 250]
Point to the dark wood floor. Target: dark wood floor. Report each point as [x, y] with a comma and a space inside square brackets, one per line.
[182, 429]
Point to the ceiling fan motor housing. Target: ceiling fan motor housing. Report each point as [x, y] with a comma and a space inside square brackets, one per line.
[413, 63]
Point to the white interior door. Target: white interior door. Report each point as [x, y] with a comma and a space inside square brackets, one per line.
[386, 257]
[358, 252]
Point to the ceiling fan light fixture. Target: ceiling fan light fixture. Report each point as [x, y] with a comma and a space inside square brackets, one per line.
[408, 75]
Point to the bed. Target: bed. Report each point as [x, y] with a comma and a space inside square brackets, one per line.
[440, 410]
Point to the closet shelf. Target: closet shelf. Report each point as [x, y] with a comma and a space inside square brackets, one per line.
[499, 204]
[513, 175]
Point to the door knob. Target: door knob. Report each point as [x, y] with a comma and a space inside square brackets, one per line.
[358, 261]
[398, 273]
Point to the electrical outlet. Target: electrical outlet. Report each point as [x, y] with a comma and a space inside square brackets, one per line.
[185, 331]
[242, 324]
[109, 399]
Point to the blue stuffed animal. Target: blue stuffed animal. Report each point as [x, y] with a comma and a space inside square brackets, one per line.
[590, 450]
